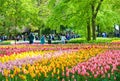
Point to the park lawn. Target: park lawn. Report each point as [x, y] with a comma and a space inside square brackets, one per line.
[98, 40]
[5, 42]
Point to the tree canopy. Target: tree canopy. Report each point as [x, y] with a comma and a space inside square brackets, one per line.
[79, 15]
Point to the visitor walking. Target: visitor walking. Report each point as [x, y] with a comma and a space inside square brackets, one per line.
[49, 39]
[63, 38]
[31, 38]
[42, 40]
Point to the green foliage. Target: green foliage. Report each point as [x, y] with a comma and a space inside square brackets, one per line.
[41, 14]
[99, 40]
[108, 16]
[15, 15]
[5, 43]
[74, 14]
[78, 40]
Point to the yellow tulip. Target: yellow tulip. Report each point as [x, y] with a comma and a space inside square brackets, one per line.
[54, 70]
[25, 71]
[39, 74]
[6, 72]
[6, 79]
[52, 74]
[32, 75]
[58, 77]
[12, 76]
[58, 71]
[23, 77]
[45, 74]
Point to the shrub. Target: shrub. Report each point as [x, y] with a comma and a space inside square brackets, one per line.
[5, 43]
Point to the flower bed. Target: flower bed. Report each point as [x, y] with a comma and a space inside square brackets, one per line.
[74, 62]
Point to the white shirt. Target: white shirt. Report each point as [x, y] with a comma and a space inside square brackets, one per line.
[63, 38]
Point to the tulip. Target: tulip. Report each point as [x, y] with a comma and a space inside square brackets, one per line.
[95, 76]
[108, 75]
[63, 73]
[72, 76]
[58, 77]
[11, 76]
[114, 78]
[79, 72]
[52, 74]
[63, 79]
[67, 74]
[23, 77]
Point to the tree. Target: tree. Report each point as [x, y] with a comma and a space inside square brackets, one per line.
[14, 15]
[82, 14]
[75, 14]
[95, 7]
[40, 15]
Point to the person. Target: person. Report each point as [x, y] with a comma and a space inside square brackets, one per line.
[104, 35]
[24, 38]
[36, 37]
[58, 37]
[67, 36]
[42, 39]
[63, 39]
[53, 37]
[18, 38]
[49, 39]
[31, 38]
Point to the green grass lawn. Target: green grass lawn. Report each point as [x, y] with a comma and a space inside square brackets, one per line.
[5, 43]
[98, 40]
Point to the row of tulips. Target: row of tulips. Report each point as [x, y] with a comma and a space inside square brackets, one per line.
[105, 66]
[115, 42]
[40, 68]
[17, 49]
[24, 55]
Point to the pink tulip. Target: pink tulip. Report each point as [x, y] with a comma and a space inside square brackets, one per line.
[72, 76]
[95, 76]
[73, 71]
[63, 74]
[108, 75]
[78, 72]
[67, 74]
[103, 76]
[107, 67]
[75, 80]
[114, 78]
[101, 72]
[87, 74]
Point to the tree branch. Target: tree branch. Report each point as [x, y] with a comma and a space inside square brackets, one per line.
[98, 7]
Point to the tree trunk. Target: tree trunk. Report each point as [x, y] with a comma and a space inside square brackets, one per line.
[119, 30]
[15, 34]
[98, 28]
[88, 30]
[93, 22]
[94, 15]
[93, 28]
